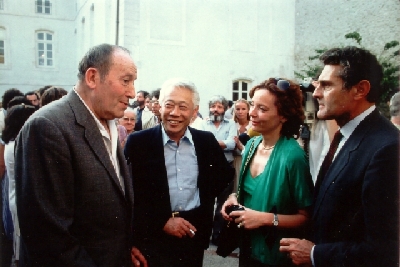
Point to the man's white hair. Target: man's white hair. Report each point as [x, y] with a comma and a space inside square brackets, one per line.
[182, 83]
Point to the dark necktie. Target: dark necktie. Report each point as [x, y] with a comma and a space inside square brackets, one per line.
[327, 161]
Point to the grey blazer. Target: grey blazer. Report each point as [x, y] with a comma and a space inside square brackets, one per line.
[71, 207]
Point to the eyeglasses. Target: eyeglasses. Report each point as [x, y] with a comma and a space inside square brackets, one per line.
[282, 84]
[128, 119]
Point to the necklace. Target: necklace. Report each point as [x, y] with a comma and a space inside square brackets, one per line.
[267, 148]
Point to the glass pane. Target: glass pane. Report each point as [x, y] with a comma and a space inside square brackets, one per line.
[244, 95]
[49, 47]
[47, 10]
[49, 62]
[41, 46]
[1, 59]
[48, 36]
[47, 3]
[39, 9]
[1, 51]
[40, 36]
[235, 96]
[1, 44]
[49, 54]
[41, 54]
[41, 61]
[39, 2]
[244, 87]
[235, 86]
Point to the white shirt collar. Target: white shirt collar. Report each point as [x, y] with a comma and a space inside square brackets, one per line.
[349, 127]
[166, 138]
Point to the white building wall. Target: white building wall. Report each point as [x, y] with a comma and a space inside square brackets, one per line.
[323, 24]
[211, 43]
[21, 23]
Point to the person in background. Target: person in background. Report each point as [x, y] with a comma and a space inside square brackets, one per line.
[128, 123]
[155, 106]
[196, 122]
[34, 98]
[7, 96]
[16, 117]
[51, 94]
[177, 172]
[355, 220]
[43, 89]
[230, 111]
[74, 193]
[224, 131]
[144, 117]
[242, 119]
[394, 107]
[6, 226]
[275, 186]
[147, 102]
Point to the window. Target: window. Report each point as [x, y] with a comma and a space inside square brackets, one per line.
[44, 48]
[1, 51]
[43, 6]
[240, 89]
[1, 4]
[2, 46]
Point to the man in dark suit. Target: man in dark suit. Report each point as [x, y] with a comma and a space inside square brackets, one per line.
[74, 195]
[177, 173]
[356, 207]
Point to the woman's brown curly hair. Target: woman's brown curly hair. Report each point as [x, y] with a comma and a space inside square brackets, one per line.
[288, 103]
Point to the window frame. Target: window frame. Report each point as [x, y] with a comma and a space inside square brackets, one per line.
[239, 90]
[44, 49]
[4, 38]
[43, 7]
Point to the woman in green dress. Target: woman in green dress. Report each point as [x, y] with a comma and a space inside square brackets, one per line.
[275, 185]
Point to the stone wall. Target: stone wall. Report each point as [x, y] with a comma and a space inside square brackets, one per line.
[323, 24]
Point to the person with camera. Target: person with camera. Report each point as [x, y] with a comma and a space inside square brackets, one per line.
[275, 186]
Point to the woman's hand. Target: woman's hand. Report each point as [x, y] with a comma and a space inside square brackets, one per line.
[239, 144]
[252, 219]
[232, 200]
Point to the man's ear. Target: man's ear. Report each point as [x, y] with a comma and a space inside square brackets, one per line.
[92, 77]
[362, 89]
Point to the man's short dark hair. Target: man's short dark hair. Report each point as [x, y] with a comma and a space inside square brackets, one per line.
[18, 100]
[10, 94]
[156, 93]
[358, 64]
[144, 93]
[52, 94]
[43, 89]
[98, 57]
[33, 93]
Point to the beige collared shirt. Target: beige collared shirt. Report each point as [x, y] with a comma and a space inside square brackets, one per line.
[110, 141]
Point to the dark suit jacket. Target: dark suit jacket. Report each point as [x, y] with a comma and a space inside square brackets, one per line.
[145, 153]
[72, 210]
[356, 212]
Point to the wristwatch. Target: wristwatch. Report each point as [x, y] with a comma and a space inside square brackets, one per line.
[275, 222]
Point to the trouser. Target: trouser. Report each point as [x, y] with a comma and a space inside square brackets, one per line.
[183, 254]
[171, 251]
[218, 219]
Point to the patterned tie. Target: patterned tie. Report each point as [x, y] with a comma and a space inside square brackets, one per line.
[327, 161]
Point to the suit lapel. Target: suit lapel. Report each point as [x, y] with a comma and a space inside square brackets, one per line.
[342, 158]
[93, 136]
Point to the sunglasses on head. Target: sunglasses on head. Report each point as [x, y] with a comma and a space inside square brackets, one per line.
[282, 84]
